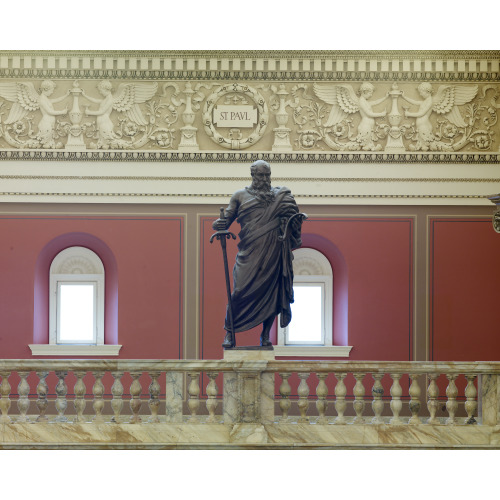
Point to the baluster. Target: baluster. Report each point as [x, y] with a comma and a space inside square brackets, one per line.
[414, 399]
[321, 402]
[61, 391]
[117, 401]
[285, 391]
[194, 391]
[212, 391]
[98, 391]
[432, 403]
[377, 403]
[5, 399]
[42, 389]
[359, 395]
[470, 403]
[79, 401]
[23, 403]
[135, 402]
[303, 392]
[154, 399]
[451, 404]
[340, 402]
[396, 404]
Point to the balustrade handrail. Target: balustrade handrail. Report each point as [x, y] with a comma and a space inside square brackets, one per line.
[185, 365]
[414, 367]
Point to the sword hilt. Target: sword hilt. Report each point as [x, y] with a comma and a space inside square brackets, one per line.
[220, 235]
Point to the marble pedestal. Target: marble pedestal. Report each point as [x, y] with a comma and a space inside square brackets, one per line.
[249, 390]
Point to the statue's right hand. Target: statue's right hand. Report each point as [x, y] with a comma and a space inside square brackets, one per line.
[220, 224]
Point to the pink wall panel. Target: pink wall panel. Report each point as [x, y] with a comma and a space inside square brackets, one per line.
[377, 254]
[464, 290]
[147, 255]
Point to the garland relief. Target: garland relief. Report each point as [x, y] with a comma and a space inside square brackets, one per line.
[279, 117]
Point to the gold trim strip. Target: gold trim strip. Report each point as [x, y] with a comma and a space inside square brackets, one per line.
[244, 179]
[222, 195]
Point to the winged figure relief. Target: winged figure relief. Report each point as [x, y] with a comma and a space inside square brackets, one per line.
[26, 99]
[444, 102]
[345, 102]
[126, 99]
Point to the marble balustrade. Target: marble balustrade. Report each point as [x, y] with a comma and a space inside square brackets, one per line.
[254, 391]
[249, 402]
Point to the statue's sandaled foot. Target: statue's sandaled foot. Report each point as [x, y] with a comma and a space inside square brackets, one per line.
[264, 341]
[227, 341]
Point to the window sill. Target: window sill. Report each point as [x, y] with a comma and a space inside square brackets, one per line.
[335, 351]
[74, 350]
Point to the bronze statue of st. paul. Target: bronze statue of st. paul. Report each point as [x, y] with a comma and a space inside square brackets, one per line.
[263, 274]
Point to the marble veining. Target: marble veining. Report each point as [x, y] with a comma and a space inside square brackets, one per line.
[173, 396]
[245, 435]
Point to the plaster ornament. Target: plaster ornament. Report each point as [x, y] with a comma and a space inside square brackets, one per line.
[278, 105]
[492, 118]
[192, 104]
[18, 130]
[126, 100]
[496, 221]
[345, 101]
[235, 116]
[444, 102]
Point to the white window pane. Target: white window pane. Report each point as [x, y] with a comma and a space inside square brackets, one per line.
[76, 314]
[306, 324]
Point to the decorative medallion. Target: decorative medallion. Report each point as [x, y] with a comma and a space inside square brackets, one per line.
[235, 116]
[496, 221]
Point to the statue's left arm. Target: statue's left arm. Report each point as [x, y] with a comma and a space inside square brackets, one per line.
[294, 231]
[230, 213]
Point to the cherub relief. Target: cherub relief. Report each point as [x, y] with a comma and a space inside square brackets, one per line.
[345, 102]
[26, 99]
[445, 102]
[126, 99]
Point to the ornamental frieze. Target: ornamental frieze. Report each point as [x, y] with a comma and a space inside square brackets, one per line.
[361, 117]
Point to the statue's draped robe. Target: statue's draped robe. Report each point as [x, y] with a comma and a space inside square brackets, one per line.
[263, 272]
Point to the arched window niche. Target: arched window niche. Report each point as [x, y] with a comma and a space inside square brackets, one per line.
[75, 267]
[319, 313]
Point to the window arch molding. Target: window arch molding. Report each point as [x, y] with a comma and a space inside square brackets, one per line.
[319, 257]
[41, 345]
[76, 269]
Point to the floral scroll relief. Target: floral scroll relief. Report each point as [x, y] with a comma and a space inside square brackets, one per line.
[365, 117]
[126, 99]
[345, 101]
[192, 103]
[19, 129]
[129, 118]
[446, 118]
[278, 104]
[444, 102]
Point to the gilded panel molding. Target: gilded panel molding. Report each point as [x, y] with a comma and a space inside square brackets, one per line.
[315, 107]
[228, 195]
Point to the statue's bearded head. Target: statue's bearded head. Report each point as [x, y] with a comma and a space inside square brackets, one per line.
[261, 176]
